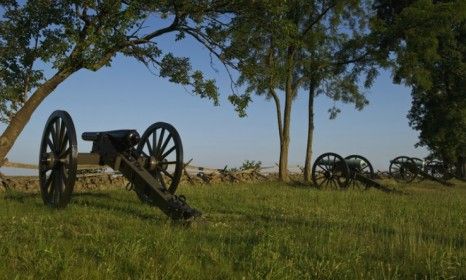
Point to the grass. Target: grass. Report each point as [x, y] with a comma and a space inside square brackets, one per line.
[248, 231]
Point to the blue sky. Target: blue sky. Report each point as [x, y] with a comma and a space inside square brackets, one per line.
[127, 95]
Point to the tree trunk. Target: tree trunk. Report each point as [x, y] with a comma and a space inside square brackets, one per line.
[283, 174]
[310, 134]
[461, 167]
[22, 117]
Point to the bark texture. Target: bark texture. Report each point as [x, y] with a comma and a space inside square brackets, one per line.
[310, 135]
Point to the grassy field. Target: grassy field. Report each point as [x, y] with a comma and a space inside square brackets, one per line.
[248, 231]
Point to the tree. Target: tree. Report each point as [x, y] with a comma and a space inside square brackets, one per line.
[285, 46]
[428, 39]
[70, 35]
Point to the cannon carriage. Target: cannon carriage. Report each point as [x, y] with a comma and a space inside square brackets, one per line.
[152, 163]
[334, 171]
[407, 169]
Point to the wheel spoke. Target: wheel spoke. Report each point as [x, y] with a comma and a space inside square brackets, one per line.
[54, 182]
[62, 136]
[65, 153]
[44, 168]
[53, 133]
[49, 180]
[159, 143]
[50, 144]
[149, 147]
[319, 175]
[64, 141]
[58, 128]
[327, 182]
[154, 140]
[164, 146]
[162, 182]
[64, 175]
[168, 152]
[322, 166]
[168, 174]
[335, 183]
[56, 191]
[322, 182]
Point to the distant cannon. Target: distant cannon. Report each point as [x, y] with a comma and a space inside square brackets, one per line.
[153, 163]
[406, 170]
[332, 170]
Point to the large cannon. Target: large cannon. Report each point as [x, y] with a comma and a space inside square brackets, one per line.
[332, 170]
[407, 169]
[152, 163]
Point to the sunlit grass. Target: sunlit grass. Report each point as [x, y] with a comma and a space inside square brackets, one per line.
[251, 231]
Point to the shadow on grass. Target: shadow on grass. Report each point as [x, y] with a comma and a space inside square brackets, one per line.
[358, 229]
[20, 196]
[300, 185]
[116, 209]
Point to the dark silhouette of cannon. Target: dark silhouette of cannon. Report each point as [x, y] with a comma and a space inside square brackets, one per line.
[152, 163]
[407, 169]
[333, 171]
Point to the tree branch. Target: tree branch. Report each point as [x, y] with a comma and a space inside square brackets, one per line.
[319, 17]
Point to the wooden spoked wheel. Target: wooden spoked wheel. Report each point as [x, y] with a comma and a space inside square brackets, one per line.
[360, 165]
[162, 149]
[58, 160]
[401, 169]
[422, 166]
[440, 170]
[330, 171]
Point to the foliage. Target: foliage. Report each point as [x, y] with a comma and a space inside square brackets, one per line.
[428, 39]
[251, 164]
[251, 231]
[68, 35]
[299, 43]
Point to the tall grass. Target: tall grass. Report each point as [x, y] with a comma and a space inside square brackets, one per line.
[248, 231]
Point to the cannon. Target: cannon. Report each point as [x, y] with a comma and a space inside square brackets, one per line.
[407, 169]
[334, 171]
[152, 163]
[440, 170]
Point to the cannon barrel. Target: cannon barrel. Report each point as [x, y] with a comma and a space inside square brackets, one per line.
[123, 138]
[90, 136]
[352, 163]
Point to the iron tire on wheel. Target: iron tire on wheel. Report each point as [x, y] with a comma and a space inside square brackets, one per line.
[400, 173]
[58, 160]
[167, 155]
[366, 170]
[335, 175]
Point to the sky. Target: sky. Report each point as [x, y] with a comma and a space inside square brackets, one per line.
[127, 95]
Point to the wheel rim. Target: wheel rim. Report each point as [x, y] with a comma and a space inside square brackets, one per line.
[330, 171]
[365, 169]
[399, 169]
[58, 160]
[162, 149]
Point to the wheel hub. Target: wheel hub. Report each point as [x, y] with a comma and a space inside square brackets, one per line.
[49, 160]
[152, 163]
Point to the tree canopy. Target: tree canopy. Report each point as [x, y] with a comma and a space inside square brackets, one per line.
[87, 34]
[427, 40]
[68, 35]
